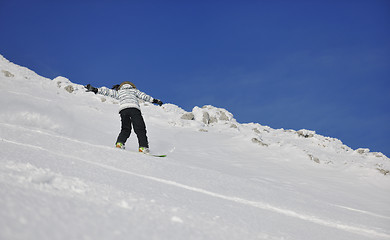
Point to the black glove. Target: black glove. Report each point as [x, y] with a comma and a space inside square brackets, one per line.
[156, 101]
[91, 89]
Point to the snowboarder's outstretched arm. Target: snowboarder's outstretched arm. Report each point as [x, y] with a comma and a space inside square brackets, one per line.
[145, 97]
[108, 92]
[103, 90]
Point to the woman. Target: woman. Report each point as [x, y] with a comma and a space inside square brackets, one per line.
[130, 112]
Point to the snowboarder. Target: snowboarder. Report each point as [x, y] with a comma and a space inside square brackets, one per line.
[129, 110]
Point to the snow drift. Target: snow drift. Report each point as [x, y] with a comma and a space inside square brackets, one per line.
[61, 177]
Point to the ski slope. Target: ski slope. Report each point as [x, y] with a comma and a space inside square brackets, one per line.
[62, 178]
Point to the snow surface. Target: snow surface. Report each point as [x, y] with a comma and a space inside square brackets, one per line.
[61, 177]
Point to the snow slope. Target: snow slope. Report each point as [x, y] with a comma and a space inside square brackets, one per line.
[61, 177]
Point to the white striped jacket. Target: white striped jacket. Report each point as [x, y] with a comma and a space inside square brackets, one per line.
[127, 96]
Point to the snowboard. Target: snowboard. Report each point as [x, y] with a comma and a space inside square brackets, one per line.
[154, 155]
[157, 155]
[150, 154]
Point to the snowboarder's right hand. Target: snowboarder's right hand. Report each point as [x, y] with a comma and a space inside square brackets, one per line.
[157, 101]
[91, 88]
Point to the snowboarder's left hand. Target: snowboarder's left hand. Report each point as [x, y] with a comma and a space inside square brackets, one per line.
[157, 101]
[91, 89]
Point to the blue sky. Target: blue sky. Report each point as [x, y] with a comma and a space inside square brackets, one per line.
[318, 65]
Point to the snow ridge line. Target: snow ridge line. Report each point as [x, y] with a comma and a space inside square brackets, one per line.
[260, 205]
[362, 211]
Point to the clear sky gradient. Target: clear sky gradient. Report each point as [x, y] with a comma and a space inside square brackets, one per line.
[319, 65]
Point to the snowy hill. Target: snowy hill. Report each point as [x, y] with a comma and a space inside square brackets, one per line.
[61, 177]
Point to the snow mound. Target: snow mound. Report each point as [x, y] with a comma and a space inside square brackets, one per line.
[28, 174]
[316, 148]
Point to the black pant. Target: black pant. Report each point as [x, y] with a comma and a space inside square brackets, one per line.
[133, 116]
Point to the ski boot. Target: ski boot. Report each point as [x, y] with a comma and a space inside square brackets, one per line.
[144, 150]
[120, 145]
